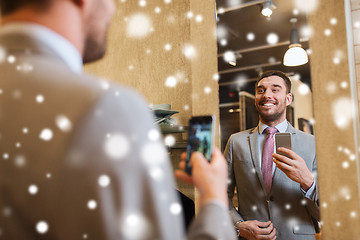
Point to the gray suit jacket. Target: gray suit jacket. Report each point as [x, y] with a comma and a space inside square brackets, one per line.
[290, 212]
[88, 153]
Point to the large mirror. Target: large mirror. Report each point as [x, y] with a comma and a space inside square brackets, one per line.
[169, 55]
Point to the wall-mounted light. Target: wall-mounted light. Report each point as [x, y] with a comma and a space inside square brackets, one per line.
[267, 8]
[295, 55]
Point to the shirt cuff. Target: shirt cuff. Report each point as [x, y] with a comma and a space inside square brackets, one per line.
[310, 191]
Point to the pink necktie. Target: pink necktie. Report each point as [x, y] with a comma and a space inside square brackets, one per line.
[267, 163]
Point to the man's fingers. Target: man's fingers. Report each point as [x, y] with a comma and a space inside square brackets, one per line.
[282, 158]
[181, 175]
[288, 152]
[182, 165]
[183, 156]
[283, 166]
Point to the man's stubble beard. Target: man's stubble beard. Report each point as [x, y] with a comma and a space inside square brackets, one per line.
[273, 117]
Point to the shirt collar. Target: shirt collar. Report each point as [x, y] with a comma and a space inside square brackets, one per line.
[60, 45]
[281, 127]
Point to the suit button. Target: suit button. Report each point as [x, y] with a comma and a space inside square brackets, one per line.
[271, 198]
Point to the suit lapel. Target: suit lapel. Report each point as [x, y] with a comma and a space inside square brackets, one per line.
[253, 144]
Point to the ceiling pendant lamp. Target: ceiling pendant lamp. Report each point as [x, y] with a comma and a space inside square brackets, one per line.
[295, 55]
[267, 8]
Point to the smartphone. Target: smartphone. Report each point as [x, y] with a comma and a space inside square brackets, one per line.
[201, 138]
[283, 140]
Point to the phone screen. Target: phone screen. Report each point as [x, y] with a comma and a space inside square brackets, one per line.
[201, 135]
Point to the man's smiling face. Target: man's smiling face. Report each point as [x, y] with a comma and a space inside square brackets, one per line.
[271, 100]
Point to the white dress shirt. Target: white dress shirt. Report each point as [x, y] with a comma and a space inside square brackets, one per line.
[281, 127]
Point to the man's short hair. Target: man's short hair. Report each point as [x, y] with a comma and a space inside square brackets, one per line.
[276, 73]
[9, 6]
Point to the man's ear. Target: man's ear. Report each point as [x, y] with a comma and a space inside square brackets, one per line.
[289, 99]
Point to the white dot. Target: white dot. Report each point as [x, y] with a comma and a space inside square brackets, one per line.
[42, 227]
[303, 89]
[344, 84]
[170, 81]
[287, 206]
[338, 224]
[333, 21]
[170, 140]
[154, 135]
[167, 47]
[296, 11]
[327, 32]
[46, 134]
[11, 59]
[148, 51]
[254, 208]
[253, 170]
[207, 90]
[156, 173]
[303, 202]
[18, 145]
[347, 197]
[309, 51]
[352, 157]
[345, 164]
[33, 189]
[91, 204]
[189, 14]
[223, 42]
[104, 180]
[167, 1]
[229, 56]
[272, 38]
[357, 24]
[131, 67]
[85, 236]
[63, 123]
[154, 154]
[48, 175]
[138, 26]
[353, 214]
[20, 160]
[250, 36]
[117, 146]
[346, 151]
[272, 60]
[135, 226]
[324, 205]
[6, 156]
[39, 98]
[186, 107]
[157, 10]
[1, 91]
[336, 60]
[199, 18]
[189, 51]
[216, 76]
[25, 130]
[175, 208]
[142, 3]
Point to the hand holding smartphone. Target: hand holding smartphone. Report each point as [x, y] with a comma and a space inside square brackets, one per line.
[201, 138]
[283, 140]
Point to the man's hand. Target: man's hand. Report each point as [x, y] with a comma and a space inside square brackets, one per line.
[254, 230]
[294, 168]
[209, 178]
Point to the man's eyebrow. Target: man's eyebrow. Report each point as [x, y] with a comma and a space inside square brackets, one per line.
[276, 85]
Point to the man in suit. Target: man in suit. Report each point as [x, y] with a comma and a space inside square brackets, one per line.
[277, 195]
[81, 158]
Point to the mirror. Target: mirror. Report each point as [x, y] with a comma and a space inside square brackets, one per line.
[249, 44]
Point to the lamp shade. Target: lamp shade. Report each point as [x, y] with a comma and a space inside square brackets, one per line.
[295, 56]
